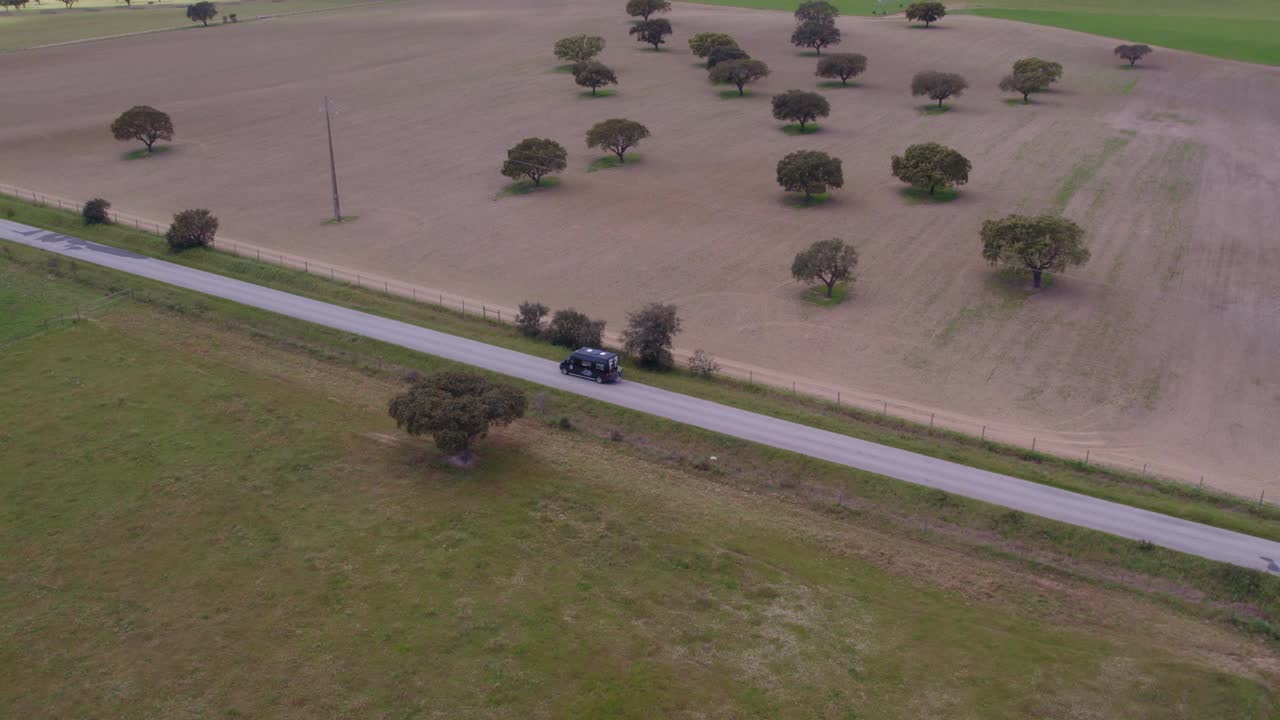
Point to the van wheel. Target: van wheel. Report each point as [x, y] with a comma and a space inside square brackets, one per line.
[600, 379]
[564, 371]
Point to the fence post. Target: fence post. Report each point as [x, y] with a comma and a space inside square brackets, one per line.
[751, 379]
[1086, 457]
[1144, 468]
[415, 294]
[793, 387]
[385, 287]
[306, 267]
[984, 433]
[259, 256]
[931, 421]
[358, 280]
[1260, 496]
[837, 398]
[1033, 444]
[331, 275]
[886, 408]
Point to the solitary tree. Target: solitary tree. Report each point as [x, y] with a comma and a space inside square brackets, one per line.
[15, 4]
[654, 31]
[930, 165]
[704, 42]
[594, 75]
[703, 364]
[649, 333]
[938, 85]
[191, 228]
[816, 34]
[95, 212]
[842, 65]
[810, 172]
[1132, 53]
[828, 261]
[800, 106]
[144, 123]
[529, 318]
[579, 48]
[644, 8]
[1031, 75]
[202, 12]
[816, 11]
[926, 12]
[739, 73]
[533, 158]
[1039, 243]
[718, 55]
[456, 409]
[616, 135]
[573, 329]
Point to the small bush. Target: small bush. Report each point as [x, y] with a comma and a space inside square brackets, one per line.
[529, 319]
[573, 329]
[95, 212]
[703, 365]
[566, 423]
[191, 228]
[615, 435]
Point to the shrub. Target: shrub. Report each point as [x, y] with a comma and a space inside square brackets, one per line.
[456, 408]
[95, 212]
[573, 329]
[649, 334]
[579, 48]
[703, 365]
[704, 42]
[191, 228]
[529, 319]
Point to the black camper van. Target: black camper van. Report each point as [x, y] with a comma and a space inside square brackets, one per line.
[599, 365]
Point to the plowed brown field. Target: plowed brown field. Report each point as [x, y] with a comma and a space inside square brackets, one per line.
[1166, 346]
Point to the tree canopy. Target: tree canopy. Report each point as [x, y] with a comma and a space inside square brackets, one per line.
[930, 165]
[94, 212]
[800, 106]
[202, 12]
[828, 261]
[191, 228]
[1031, 75]
[579, 48]
[573, 329]
[739, 73]
[142, 122]
[816, 34]
[1132, 53]
[456, 409]
[718, 55]
[616, 135]
[1037, 243]
[926, 12]
[648, 335]
[533, 158]
[594, 74]
[644, 8]
[842, 65]
[529, 318]
[810, 172]
[816, 11]
[704, 42]
[938, 85]
[654, 31]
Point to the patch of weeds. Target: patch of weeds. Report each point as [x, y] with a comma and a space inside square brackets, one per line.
[1084, 171]
[524, 187]
[1018, 102]
[588, 95]
[565, 423]
[817, 295]
[801, 202]
[915, 195]
[567, 69]
[935, 109]
[795, 129]
[345, 219]
[837, 85]
[612, 161]
[141, 153]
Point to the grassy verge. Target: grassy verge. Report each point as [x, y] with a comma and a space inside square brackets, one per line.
[232, 527]
[1175, 499]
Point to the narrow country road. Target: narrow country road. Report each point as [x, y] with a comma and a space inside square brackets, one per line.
[1068, 507]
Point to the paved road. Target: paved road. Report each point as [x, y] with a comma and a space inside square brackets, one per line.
[1068, 507]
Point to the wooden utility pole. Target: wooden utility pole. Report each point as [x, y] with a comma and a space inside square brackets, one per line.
[333, 168]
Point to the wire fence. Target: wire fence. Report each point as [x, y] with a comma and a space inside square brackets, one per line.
[1086, 452]
[16, 332]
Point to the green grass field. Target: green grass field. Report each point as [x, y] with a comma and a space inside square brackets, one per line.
[202, 516]
[51, 22]
[1246, 30]
[1173, 499]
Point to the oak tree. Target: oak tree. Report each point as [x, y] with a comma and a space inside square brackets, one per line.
[579, 48]
[654, 32]
[1132, 53]
[191, 228]
[739, 73]
[529, 318]
[202, 12]
[827, 261]
[644, 8]
[95, 212]
[142, 122]
[533, 158]
[810, 172]
[616, 135]
[816, 11]
[938, 85]
[926, 12]
[800, 106]
[649, 334]
[816, 34]
[594, 74]
[842, 65]
[704, 42]
[1031, 75]
[573, 329]
[1039, 243]
[930, 165]
[456, 409]
[721, 54]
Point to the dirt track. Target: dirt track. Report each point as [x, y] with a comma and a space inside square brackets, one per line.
[1165, 347]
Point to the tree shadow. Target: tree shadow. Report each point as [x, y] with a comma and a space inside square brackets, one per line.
[794, 129]
[588, 95]
[800, 202]
[934, 109]
[142, 153]
[918, 195]
[837, 85]
[526, 186]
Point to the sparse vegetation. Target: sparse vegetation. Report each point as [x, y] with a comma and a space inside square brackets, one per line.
[616, 135]
[1031, 75]
[826, 261]
[811, 172]
[800, 106]
[534, 158]
[938, 85]
[649, 335]
[573, 330]
[931, 166]
[1039, 243]
[703, 43]
[1132, 53]
[703, 365]
[594, 74]
[95, 212]
[530, 317]
[143, 123]
[190, 229]
[739, 73]
[842, 65]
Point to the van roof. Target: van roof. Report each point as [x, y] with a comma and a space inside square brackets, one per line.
[593, 353]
